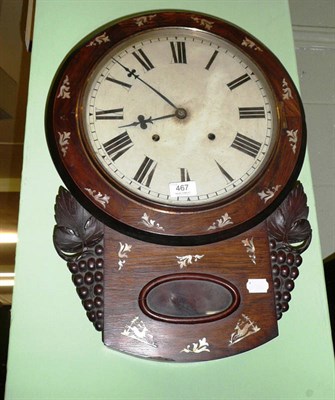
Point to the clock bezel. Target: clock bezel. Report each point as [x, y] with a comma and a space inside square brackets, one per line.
[170, 224]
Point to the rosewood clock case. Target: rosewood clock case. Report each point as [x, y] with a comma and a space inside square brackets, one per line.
[168, 282]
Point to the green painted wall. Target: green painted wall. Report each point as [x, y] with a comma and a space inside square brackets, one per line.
[54, 351]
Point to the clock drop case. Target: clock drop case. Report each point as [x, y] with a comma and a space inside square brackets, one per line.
[180, 138]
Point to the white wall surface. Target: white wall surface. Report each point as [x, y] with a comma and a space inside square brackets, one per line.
[314, 36]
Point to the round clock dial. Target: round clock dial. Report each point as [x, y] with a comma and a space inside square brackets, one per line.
[179, 116]
[175, 127]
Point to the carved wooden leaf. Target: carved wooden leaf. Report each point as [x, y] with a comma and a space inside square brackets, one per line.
[76, 230]
[289, 222]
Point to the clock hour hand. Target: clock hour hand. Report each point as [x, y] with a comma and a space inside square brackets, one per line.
[137, 76]
[143, 122]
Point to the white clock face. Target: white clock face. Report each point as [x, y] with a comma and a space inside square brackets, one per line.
[179, 117]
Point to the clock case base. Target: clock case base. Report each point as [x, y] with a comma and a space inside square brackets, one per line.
[247, 319]
[149, 300]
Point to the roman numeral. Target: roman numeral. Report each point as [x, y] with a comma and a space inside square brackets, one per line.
[247, 145]
[224, 173]
[142, 58]
[146, 171]
[184, 175]
[118, 145]
[116, 113]
[238, 81]
[211, 60]
[124, 84]
[178, 52]
[251, 112]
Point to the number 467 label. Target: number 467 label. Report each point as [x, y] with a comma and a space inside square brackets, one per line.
[179, 189]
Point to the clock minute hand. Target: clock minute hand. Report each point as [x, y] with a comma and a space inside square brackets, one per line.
[137, 76]
[143, 122]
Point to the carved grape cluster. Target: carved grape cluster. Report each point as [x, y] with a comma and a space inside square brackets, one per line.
[78, 239]
[87, 276]
[285, 269]
[289, 235]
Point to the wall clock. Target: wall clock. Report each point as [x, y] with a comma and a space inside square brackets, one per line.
[180, 137]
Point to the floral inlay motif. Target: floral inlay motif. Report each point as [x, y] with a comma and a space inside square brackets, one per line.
[268, 193]
[103, 199]
[221, 222]
[293, 139]
[64, 140]
[150, 223]
[203, 22]
[244, 328]
[249, 43]
[124, 249]
[184, 261]
[287, 92]
[103, 38]
[138, 331]
[197, 347]
[249, 244]
[64, 90]
[140, 21]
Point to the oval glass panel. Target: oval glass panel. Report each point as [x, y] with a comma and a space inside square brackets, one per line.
[189, 298]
